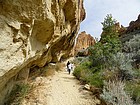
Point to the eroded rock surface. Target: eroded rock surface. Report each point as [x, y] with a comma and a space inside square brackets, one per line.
[33, 33]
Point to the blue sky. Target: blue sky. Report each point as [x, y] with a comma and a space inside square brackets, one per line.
[123, 11]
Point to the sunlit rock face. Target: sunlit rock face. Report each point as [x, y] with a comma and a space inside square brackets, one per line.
[34, 32]
[83, 41]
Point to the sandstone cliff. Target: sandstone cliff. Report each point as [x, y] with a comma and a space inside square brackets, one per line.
[83, 41]
[33, 33]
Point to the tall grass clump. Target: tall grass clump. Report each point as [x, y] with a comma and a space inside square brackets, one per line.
[18, 93]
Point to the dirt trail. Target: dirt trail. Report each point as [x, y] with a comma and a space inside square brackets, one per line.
[59, 89]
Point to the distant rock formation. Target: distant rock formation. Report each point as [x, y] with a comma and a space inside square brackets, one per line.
[120, 28]
[83, 41]
[134, 25]
[131, 30]
[34, 33]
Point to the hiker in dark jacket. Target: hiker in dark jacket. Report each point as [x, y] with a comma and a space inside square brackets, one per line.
[68, 65]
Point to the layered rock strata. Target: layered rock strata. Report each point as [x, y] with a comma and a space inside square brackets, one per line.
[34, 33]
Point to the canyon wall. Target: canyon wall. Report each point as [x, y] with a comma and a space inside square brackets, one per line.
[34, 33]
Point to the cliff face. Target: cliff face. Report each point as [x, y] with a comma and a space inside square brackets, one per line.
[34, 32]
[83, 41]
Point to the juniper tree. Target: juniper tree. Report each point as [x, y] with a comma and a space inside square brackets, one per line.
[108, 45]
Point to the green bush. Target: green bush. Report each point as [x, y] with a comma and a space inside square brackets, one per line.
[137, 73]
[133, 89]
[86, 74]
[81, 69]
[96, 80]
[77, 72]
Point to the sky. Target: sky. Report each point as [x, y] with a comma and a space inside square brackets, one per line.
[124, 11]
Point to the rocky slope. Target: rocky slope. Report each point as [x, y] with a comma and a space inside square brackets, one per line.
[134, 25]
[83, 41]
[33, 33]
[131, 41]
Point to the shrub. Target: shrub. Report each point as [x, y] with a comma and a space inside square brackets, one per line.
[86, 74]
[82, 70]
[96, 79]
[133, 89]
[136, 73]
[113, 93]
[121, 63]
[133, 44]
[77, 72]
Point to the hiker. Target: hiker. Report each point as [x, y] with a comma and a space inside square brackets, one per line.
[69, 68]
[67, 65]
[72, 67]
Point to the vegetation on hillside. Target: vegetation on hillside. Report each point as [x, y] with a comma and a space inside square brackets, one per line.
[111, 69]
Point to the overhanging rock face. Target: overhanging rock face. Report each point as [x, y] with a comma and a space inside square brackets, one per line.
[34, 32]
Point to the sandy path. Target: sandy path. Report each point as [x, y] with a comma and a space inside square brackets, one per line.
[60, 89]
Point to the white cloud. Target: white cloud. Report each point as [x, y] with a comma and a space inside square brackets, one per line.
[123, 11]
